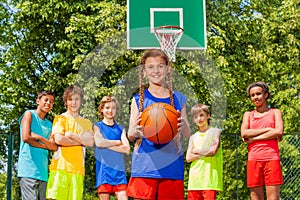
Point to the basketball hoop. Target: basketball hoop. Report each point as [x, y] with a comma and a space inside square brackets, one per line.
[168, 38]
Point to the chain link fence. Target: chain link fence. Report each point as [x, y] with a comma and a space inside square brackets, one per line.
[290, 160]
[235, 158]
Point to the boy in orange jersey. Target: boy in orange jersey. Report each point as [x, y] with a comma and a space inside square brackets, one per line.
[72, 133]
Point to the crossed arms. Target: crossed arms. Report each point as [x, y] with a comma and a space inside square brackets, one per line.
[196, 152]
[71, 139]
[251, 135]
[121, 146]
[32, 138]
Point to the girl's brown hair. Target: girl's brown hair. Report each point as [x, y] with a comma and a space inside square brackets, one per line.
[104, 100]
[147, 54]
[154, 53]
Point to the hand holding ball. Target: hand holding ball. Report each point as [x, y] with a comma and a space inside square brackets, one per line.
[159, 122]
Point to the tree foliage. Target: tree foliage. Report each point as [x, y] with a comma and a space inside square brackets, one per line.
[52, 44]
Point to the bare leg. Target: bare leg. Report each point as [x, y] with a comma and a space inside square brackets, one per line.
[257, 193]
[273, 192]
[104, 196]
[121, 195]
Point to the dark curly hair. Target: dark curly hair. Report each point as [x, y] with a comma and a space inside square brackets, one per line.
[261, 84]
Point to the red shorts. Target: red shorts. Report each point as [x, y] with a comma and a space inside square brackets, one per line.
[111, 189]
[202, 194]
[155, 189]
[260, 173]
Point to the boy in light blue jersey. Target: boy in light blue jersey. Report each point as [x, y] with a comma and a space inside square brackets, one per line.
[35, 131]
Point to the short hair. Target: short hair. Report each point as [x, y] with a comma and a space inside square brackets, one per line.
[104, 100]
[42, 93]
[71, 90]
[260, 84]
[198, 108]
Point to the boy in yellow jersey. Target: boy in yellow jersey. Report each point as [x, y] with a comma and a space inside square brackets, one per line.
[205, 153]
[72, 133]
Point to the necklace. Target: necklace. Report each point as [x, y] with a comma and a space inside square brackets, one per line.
[260, 114]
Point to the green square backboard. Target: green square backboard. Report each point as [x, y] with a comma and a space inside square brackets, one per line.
[143, 16]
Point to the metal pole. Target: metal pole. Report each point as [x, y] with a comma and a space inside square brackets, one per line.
[237, 166]
[9, 166]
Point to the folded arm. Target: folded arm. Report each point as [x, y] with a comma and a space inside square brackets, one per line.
[34, 139]
[190, 154]
[85, 139]
[124, 147]
[251, 135]
[246, 132]
[209, 147]
[101, 142]
[214, 144]
[48, 144]
[64, 140]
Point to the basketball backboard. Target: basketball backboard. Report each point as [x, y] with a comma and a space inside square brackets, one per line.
[143, 16]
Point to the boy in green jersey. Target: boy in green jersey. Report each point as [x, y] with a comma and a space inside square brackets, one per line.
[205, 153]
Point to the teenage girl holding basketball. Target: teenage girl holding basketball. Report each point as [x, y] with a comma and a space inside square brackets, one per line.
[262, 128]
[111, 143]
[157, 169]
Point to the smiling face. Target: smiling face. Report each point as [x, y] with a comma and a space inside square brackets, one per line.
[156, 70]
[109, 110]
[45, 103]
[73, 103]
[258, 96]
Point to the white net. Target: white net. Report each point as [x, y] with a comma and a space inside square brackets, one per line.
[168, 37]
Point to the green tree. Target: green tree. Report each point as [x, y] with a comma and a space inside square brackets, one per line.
[53, 44]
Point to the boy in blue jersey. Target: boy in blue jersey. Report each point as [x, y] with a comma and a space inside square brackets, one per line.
[35, 131]
[111, 143]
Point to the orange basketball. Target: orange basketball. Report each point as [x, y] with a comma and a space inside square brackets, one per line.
[159, 123]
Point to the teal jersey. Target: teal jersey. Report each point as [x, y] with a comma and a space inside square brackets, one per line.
[33, 162]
